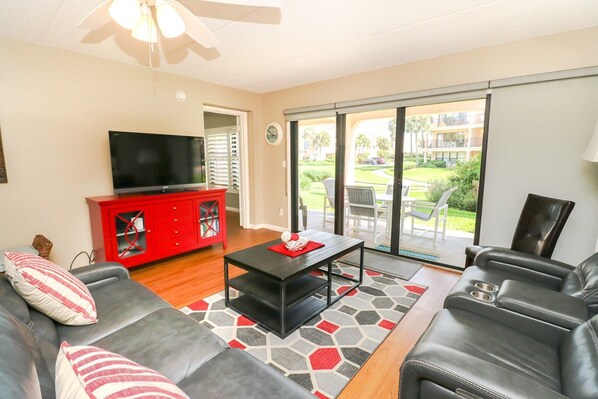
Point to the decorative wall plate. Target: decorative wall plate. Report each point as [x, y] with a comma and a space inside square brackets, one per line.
[273, 133]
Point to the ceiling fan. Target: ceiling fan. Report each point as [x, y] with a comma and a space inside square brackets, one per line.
[173, 18]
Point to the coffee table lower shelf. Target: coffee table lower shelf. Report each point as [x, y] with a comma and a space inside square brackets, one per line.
[270, 318]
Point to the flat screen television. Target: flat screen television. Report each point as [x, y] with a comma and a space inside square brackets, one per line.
[145, 162]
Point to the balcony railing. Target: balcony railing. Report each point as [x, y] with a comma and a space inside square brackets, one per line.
[457, 120]
[460, 143]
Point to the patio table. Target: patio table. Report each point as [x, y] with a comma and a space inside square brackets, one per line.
[388, 199]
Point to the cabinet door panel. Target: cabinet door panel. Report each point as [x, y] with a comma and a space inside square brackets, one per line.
[209, 218]
[130, 228]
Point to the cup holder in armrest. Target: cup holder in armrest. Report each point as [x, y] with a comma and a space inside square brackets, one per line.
[482, 296]
[486, 286]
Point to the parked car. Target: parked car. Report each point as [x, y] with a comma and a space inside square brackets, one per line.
[375, 161]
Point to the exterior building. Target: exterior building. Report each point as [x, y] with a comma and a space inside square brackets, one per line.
[456, 136]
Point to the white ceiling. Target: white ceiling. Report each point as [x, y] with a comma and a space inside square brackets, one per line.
[265, 49]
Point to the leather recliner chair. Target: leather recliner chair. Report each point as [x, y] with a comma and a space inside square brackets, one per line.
[497, 265]
[463, 355]
[540, 224]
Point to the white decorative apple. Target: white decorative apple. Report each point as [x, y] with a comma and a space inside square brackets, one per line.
[285, 236]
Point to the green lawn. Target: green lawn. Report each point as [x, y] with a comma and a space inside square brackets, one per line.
[364, 174]
[424, 175]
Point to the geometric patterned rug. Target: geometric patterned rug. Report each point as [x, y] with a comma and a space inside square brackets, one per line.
[325, 353]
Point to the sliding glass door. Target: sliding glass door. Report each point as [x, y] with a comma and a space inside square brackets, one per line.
[316, 161]
[369, 178]
[441, 174]
[410, 177]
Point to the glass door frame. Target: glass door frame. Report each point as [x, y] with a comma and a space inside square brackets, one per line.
[339, 175]
[340, 168]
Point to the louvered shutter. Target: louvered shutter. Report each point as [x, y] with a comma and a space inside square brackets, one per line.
[222, 150]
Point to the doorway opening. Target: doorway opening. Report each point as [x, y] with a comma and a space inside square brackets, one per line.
[225, 132]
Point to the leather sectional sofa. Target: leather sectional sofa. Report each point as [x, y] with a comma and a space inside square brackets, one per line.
[133, 322]
[514, 326]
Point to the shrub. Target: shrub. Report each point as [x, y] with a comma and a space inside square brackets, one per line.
[361, 158]
[316, 175]
[331, 157]
[434, 164]
[386, 154]
[436, 188]
[304, 182]
[408, 165]
[465, 178]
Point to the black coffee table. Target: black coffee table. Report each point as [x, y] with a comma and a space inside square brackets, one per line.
[277, 292]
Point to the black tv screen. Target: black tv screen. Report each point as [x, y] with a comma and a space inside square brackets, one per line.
[152, 162]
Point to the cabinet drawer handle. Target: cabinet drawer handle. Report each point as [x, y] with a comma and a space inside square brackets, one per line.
[174, 208]
[176, 220]
[177, 244]
[176, 232]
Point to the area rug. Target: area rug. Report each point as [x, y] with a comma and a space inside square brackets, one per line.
[327, 352]
[384, 263]
[411, 253]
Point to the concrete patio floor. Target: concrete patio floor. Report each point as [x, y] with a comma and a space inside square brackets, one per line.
[450, 251]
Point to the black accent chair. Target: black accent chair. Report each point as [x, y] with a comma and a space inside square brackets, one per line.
[540, 224]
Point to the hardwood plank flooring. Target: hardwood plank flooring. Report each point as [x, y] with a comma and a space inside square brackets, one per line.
[188, 278]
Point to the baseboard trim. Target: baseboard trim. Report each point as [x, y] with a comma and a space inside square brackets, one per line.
[268, 227]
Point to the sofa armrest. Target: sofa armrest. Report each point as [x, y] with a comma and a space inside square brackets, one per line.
[101, 274]
[542, 304]
[515, 261]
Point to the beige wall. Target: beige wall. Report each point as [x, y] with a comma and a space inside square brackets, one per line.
[537, 135]
[552, 53]
[56, 107]
[55, 110]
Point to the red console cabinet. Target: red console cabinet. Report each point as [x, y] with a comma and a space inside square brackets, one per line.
[137, 229]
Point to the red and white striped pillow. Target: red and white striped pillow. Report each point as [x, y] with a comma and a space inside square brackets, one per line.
[50, 289]
[87, 371]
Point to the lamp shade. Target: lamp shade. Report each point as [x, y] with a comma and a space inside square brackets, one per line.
[126, 13]
[170, 22]
[145, 30]
[591, 152]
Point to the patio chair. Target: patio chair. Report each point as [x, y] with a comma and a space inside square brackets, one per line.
[404, 189]
[437, 211]
[361, 205]
[328, 199]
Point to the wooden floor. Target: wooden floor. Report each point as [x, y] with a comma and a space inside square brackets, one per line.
[188, 278]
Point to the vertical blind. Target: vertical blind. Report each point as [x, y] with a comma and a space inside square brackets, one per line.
[222, 152]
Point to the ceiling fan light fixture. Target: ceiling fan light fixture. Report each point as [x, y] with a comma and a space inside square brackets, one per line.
[145, 30]
[126, 13]
[170, 22]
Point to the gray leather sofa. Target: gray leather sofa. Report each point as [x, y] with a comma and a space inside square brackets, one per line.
[137, 324]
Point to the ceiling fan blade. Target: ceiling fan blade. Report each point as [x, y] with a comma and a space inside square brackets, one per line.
[97, 17]
[253, 3]
[194, 28]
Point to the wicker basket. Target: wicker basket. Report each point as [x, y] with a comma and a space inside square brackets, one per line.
[42, 245]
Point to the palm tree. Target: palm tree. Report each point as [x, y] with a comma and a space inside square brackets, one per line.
[308, 134]
[419, 125]
[362, 144]
[321, 140]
